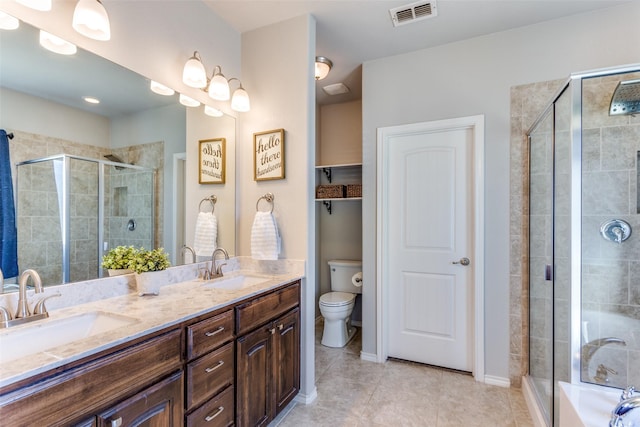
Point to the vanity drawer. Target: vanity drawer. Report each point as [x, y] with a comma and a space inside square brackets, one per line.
[209, 374]
[258, 311]
[218, 412]
[208, 334]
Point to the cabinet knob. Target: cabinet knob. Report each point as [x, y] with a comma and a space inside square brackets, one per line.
[117, 422]
[272, 330]
[280, 327]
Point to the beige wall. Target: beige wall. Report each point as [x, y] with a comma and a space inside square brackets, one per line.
[340, 134]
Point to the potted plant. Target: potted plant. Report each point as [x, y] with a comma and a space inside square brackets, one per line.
[148, 265]
[117, 260]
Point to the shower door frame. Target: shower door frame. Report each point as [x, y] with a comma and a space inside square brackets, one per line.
[65, 222]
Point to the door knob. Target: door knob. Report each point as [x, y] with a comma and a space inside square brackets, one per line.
[463, 261]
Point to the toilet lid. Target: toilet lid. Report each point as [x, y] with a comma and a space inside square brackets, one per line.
[336, 299]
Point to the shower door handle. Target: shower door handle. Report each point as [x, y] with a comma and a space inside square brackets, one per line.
[548, 272]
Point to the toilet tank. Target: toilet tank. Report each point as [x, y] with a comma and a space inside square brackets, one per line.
[341, 273]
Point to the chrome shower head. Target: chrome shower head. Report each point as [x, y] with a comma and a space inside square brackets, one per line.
[626, 98]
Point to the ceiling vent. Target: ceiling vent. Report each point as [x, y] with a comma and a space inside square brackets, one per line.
[413, 12]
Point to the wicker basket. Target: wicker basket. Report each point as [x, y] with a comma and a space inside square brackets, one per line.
[329, 191]
[354, 190]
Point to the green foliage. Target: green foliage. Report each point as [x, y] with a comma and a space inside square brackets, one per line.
[119, 257]
[153, 260]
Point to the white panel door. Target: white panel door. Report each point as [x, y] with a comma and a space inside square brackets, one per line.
[429, 229]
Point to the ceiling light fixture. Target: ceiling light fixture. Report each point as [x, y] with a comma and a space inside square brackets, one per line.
[56, 45]
[323, 66]
[91, 100]
[91, 20]
[41, 5]
[194, 74]
[188, 102]
[8, 22]
[161, 89]
[336, 89]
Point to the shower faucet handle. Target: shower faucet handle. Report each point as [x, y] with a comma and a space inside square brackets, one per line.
[628, 392]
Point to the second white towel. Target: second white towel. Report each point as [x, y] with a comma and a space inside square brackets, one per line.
[265, 238]
[206, 235]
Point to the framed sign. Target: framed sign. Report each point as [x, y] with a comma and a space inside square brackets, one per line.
[211, 161]
[268, 155]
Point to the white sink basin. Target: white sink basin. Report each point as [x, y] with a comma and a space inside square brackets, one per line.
[47, 334]
[237, 282]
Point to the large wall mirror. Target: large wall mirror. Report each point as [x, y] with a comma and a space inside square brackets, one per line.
[124, 160]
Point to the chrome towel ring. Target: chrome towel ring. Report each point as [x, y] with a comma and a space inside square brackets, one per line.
[211, 199]
[269, 197]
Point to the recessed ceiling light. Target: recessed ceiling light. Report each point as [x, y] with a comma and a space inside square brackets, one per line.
[335, 89]
[91, 100]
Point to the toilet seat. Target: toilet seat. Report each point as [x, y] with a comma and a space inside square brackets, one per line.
[337, 299]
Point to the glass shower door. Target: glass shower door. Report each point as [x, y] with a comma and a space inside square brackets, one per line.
[540, 263]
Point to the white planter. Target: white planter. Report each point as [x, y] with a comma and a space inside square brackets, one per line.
[149, 283]
[119, 271]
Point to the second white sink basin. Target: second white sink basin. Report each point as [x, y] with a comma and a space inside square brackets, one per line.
[47, 334]
[236, 282]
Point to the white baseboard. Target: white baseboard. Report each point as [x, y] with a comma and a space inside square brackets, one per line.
[369, 357]
[499, 381]
[306, 398]
[532, 404]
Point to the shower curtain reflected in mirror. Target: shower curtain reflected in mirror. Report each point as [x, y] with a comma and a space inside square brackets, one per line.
[71, 210]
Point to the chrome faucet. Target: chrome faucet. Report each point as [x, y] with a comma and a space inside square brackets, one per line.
[628, 402]
[589, 350]
[217, 271]
[190, 249]
[23, 307]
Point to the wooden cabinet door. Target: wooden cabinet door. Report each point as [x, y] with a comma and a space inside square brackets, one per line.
[158, 406]
[253, 368]
[286, 351]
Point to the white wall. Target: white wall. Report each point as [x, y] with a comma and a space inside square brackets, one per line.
[473, 77]
[277, 71]
[19, 111]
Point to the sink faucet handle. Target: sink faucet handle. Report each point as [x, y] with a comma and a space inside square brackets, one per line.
[5, 316]
[40, 307]
[627, 393]
[219, 268]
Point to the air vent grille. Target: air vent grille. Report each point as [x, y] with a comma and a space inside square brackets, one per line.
[413, 12]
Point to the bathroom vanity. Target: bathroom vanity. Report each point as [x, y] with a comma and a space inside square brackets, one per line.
[235, 362]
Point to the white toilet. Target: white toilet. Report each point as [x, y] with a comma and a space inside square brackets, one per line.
[337, 305]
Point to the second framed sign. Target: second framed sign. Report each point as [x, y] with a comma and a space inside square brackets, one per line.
[211, 161]
[268, 155]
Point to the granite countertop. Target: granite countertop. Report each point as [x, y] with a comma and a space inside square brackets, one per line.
[175, 304]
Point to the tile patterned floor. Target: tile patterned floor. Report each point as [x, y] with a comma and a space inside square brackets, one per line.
[356, 393]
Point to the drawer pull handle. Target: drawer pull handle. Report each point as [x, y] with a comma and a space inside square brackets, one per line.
[211, 417]
[209, 370]
[117, 422]
[216, 332]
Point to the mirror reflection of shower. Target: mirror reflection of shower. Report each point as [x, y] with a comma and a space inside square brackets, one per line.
[73, 209]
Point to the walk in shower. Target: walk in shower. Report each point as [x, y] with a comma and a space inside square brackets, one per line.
[70, 210]
[584, 236]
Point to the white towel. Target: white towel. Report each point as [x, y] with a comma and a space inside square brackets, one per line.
[204, 242]
[265, 238]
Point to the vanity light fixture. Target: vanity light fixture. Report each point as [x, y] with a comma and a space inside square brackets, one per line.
[323, 66]
[91, 20]
[213, 112]
[194, 74]
[188, 102]
[8, 22]
[161, 89]
[41, 5]
[240, 101]
[56, 45]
